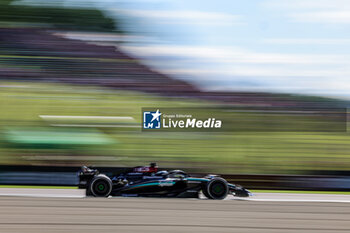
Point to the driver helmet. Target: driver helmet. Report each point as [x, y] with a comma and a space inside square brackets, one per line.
[162, 173]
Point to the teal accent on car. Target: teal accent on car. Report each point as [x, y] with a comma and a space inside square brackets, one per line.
[197, 179]
[148, 184]
[151, 184]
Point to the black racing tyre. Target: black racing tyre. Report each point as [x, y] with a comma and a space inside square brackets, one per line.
[100, 186]
[205, 193]
[216, 188]
[88, 191]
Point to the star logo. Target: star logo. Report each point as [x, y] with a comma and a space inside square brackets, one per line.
[151, 120]
[156, 115]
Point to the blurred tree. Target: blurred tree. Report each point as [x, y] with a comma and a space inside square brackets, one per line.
[60, 17]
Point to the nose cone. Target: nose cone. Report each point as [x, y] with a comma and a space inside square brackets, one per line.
[242, 192]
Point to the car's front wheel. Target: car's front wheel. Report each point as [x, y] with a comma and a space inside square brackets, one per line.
[216, 188]
[100, 186]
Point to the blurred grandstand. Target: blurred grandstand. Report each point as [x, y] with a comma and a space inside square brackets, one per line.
[32, 54]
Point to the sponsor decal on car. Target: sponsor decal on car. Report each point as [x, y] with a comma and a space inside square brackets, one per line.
[166, 183]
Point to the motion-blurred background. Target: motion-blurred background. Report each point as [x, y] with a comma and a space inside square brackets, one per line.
[74, 76]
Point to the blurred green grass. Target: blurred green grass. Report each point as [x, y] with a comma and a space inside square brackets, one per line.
[238, 152]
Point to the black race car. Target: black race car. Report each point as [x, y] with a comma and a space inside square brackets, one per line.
[149, 182]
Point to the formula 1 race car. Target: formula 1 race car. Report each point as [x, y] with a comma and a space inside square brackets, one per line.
[149, 182]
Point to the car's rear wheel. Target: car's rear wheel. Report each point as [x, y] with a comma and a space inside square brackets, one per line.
[216, 188]
[100, 186]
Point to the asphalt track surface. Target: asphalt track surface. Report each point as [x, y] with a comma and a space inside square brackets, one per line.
[65, 210]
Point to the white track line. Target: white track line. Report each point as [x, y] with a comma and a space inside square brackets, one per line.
[55, 193]
[296, 197]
